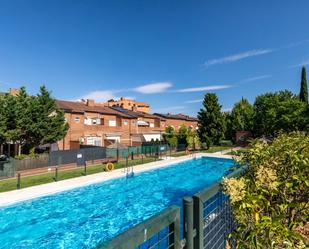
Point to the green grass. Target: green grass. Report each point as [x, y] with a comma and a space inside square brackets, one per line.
[28, 181]
[214, 149]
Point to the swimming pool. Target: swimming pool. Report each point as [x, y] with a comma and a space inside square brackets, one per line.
[87, 216]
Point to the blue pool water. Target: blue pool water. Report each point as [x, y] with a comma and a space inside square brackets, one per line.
[87, 216]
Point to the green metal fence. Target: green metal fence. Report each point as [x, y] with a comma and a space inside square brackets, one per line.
[161, 231]
[207, 223]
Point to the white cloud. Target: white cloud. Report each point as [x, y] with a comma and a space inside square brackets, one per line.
[255, 78]
[157, 87]
[99, 96]
[169, 109]
[203, 88]
[237, 57]
[194, 101]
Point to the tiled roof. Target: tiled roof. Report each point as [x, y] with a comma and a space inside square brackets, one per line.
[176, 116]
[81, 107]
[135, 114]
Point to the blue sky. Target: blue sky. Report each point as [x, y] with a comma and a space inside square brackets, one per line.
[168, 53]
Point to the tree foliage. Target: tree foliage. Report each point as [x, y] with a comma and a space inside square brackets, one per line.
[279, 111]
[303, 95]
[31, 121]
[210, 121]
[170, 136]
[241, 117]
[270, 201]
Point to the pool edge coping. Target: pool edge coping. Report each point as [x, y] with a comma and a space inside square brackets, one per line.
[19, 195]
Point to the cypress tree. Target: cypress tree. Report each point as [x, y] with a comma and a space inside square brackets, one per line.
[303, 95]
[211, 121]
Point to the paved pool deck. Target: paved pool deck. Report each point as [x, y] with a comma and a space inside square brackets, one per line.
[14, 196]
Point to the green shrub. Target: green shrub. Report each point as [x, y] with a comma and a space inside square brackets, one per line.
[270, 201]
[226, 143]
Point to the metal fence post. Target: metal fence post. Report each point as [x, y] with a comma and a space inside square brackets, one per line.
[142, 159]
[188, 222]
[85, 168]
[56, 174]
[132, 156]
[18, 181]
[198, 220]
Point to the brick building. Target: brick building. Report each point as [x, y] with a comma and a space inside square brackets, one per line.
[128, 104]
[94, 124]
[177, 120]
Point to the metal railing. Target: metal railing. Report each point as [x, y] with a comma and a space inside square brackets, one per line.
[207, 223]
[161, 231]
[213, 220]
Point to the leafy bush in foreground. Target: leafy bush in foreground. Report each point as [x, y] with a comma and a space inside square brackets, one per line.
[270, 201]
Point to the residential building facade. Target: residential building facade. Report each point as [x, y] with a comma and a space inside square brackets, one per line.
[129, 104]
[177, 120]
[92, 123]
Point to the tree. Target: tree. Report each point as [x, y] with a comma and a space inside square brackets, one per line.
[170, 136]
[303, 95]
[279, 111]
[31, 120]
[49, 125]
[270, 201]
[3, 128]
[210, 121]
[241, 118]
[182, 135]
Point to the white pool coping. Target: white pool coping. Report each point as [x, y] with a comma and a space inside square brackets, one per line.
[15, 196]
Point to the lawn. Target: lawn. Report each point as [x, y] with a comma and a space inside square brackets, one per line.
[212, 149]
[28, 181]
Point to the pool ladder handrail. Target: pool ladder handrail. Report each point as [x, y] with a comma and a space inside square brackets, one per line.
[128, 172]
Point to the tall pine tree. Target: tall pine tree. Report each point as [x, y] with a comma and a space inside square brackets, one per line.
[303, 95]
[210, 121]
[49, 125]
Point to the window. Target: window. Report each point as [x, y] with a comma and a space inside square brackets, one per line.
[95, 141]
[95, 121]
[151, 125]
[112, 123]
[125, 122]
[87, 121]
[77, 120]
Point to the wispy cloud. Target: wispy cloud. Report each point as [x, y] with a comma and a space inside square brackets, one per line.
[237, 57]
[194, 101]
[99, 96]
[255, 78]
[170, 109]
[157, 87]
[296, 44]
[203, 88]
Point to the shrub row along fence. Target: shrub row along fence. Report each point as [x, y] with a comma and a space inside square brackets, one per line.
[206, 224]
[89, 155]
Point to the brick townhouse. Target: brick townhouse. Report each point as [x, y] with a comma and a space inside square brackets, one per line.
[95, 124]
[177, 120]
[129, 104]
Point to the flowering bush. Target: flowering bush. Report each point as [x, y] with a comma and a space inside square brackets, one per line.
[271, 200]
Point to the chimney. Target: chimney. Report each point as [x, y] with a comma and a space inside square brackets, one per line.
[90, 102]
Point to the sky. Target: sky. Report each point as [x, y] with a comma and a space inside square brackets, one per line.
[168, 53]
